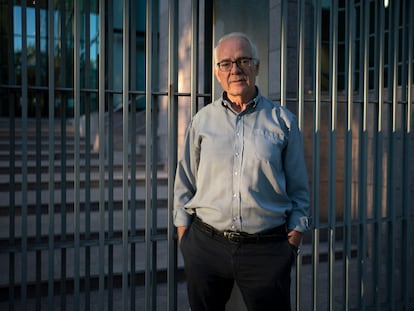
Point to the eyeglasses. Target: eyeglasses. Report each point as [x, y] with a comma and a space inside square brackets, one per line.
[242, 63]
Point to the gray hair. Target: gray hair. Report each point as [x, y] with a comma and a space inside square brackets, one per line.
[241, 35]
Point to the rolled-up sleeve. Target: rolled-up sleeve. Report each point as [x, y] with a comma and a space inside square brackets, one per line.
[185, 178]
[297, 183]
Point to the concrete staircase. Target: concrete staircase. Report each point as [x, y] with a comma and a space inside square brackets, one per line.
[36, 206]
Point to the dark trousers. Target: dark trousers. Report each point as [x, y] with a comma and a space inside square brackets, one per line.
[212, 265]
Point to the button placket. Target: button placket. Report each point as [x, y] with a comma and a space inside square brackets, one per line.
[238, 147]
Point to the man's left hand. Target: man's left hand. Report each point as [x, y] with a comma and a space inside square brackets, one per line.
[295, 238]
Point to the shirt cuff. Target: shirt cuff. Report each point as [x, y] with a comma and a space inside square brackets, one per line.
[301, 224]
[182, 218]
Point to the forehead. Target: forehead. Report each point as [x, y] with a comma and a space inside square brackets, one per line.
[233, 47]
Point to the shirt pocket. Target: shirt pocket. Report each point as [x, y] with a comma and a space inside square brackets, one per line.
[268, 145]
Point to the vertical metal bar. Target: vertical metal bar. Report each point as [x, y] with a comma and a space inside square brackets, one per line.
[12, 153]
[391, 202]
[77, 106]
[378, 175]
[410, 81]
[24, 104]
[64, 78]
[111, 204]
[87, 187]
[125, 164]
[283, 50]
[110, 152]
[101, 117]
[301, 62]
[389, 207]
[208, 36]
[51, 153]
[407, 245]
[301, 104]
[148, 161]
[359, 65]
[403, 53]
[363, 158]
[133, 126]
[154, 150]
[194, 55]
[348, 150]
[376, 18]
[332, 150]
[316, 152]
[172, 150]
[38, 134]
[403, 251]
[154, 202]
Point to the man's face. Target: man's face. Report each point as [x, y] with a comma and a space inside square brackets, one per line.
[238, 82]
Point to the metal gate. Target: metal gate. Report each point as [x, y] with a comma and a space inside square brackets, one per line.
[94, 100]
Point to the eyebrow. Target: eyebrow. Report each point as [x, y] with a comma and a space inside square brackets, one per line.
[229, 59]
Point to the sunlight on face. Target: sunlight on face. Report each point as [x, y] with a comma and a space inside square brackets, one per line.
[239, 82]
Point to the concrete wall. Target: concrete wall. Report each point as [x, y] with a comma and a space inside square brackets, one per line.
[252, 18]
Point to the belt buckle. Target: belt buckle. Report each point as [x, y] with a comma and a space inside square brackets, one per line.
[233, 236]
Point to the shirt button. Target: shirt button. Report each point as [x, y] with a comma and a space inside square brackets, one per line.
[237, 154]
[235, 173]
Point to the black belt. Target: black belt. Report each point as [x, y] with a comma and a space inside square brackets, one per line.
[274, 234]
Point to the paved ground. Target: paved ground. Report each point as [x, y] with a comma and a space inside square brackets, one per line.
[306, 294]
[182, 301]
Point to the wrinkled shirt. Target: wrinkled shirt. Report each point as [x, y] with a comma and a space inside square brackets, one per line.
[243, 171]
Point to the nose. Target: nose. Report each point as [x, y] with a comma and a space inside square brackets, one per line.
[235, 65]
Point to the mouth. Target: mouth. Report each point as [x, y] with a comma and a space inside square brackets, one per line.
[238, 81]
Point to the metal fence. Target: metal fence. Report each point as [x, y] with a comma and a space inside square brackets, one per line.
[91, 122]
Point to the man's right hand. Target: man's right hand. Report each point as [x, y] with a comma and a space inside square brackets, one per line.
[180, 232]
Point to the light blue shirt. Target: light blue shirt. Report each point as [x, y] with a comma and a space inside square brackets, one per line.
[243, 171]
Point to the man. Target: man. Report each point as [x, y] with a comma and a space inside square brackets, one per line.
[241, 190]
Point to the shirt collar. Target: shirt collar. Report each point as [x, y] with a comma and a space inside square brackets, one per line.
[250, 105]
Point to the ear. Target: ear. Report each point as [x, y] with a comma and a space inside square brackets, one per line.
[216, 73]
[257, 67]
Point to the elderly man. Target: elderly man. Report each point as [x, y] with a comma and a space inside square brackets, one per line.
[241, 190]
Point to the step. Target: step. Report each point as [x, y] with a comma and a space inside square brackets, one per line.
[32, 157]
[41, 243]
[43, 146]
[140, 262]
[44, 195]
[94, 227]
[69, 167]
[44, 184]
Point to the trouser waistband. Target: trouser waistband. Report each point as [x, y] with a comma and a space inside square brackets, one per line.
[275, 234]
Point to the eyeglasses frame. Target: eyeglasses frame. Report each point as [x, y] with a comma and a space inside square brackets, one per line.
[237, 62]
